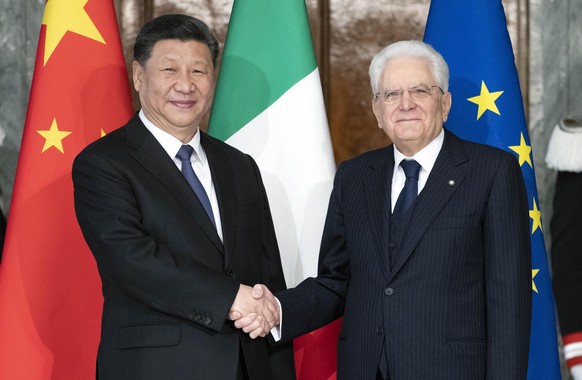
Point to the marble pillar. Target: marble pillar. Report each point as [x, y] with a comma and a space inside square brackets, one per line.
[547, 100]
[19, 29]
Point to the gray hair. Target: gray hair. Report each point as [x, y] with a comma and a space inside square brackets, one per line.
[412, 49]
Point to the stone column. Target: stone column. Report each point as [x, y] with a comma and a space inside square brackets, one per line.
[19, 29]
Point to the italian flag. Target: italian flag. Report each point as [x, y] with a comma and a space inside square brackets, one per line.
[269, 104]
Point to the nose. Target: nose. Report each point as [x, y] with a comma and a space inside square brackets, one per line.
[407, 103]
[184, 83]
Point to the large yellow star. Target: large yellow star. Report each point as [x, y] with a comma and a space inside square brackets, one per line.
[53, 137]
[523, 150]
[536, 217]
[62, 16]
[486, 100]
[534, 273]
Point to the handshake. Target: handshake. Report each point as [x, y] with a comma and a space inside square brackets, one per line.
[255, 310]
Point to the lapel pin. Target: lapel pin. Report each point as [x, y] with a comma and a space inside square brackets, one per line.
[451, 182]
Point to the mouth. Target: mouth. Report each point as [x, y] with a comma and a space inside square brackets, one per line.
[183, 103]
[408, 120]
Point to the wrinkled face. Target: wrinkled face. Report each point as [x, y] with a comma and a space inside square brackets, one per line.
[176, 86]
[411, 124]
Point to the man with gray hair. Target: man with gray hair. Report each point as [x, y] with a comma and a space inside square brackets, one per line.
[426, 246]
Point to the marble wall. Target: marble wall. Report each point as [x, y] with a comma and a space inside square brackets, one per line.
[19, 28]
[555, 84]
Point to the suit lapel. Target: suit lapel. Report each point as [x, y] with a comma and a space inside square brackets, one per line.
[435, 195]
[150, 154]
[222, 176]
[377, 190]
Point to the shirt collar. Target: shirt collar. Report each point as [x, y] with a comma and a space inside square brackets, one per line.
[171, 144]
[427, 156]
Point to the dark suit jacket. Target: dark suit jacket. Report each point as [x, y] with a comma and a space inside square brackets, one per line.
[168, 280]
[456, 304]
[567, 251]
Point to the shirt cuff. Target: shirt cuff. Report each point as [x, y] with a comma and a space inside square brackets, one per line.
[276, 331]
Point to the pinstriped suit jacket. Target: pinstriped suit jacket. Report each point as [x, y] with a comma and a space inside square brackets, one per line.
[457, 302]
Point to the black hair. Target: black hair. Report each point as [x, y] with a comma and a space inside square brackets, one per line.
[169, 27]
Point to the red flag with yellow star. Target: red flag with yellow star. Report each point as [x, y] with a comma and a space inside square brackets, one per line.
[50, 298]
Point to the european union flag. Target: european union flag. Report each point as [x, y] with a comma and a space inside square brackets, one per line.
[488, 108]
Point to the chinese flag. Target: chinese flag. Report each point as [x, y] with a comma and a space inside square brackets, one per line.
[50, 298]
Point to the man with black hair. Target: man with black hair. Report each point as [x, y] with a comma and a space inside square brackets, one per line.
[178, 223]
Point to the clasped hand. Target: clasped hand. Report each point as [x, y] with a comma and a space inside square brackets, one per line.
[255, 310]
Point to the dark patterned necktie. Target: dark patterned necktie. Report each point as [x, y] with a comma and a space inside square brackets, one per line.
[184, 155]
[410, 190]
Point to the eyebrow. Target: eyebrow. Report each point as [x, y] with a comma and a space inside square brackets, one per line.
[410, 86]
[174, 58]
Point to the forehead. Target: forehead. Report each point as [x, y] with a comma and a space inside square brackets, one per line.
[405, 72]
[177, 49]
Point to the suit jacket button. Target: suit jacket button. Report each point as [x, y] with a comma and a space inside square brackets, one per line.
[192, 316]
[380, 330]
[391, 244]
[231, 275]
[388, 291]
[206, 321]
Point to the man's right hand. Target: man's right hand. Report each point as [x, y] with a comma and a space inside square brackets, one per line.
[255, 310]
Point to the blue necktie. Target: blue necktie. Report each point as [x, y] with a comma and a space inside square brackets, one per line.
[410, 190]
[184, 155]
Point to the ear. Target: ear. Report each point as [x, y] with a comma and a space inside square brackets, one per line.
[447, 101]
[376, 108]
[137, 75]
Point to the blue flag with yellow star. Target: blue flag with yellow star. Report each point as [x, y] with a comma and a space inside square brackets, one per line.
[488, 108]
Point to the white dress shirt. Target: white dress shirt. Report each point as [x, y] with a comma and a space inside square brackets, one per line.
[426, 157]
[198, 160]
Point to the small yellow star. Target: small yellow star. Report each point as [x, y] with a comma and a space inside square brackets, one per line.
[103, 132]
[534, 273]
[536, 217]
[523, 150]
[62, 16]
[486, 100]
[53, 137]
